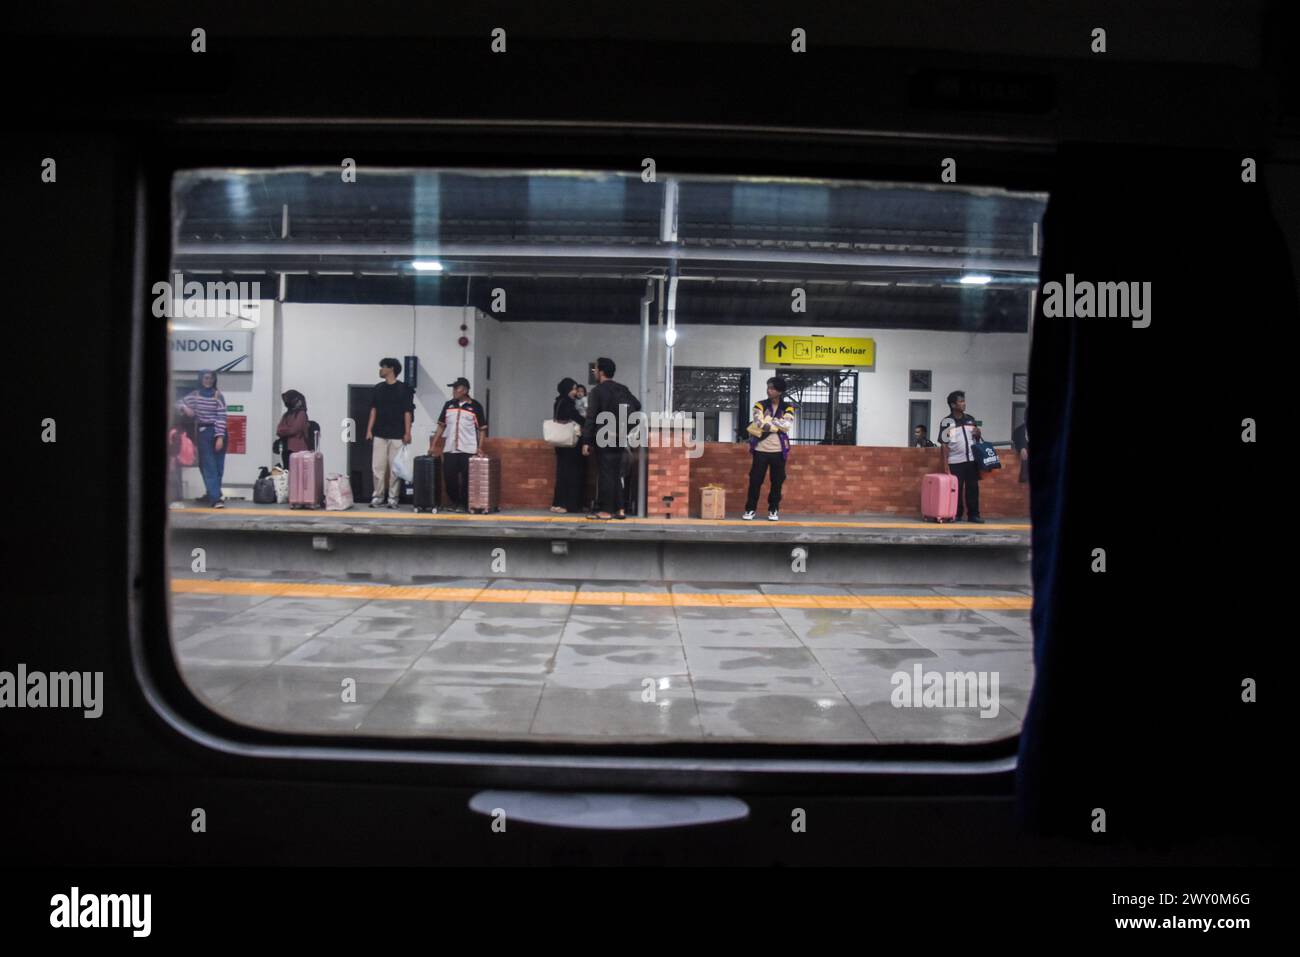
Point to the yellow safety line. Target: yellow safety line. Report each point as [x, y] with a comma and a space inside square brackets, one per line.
[568, 595]
[911, 525]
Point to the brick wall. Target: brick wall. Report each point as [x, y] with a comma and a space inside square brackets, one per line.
[527, 471]
[820, 479]
[669, 473]
[848, 479]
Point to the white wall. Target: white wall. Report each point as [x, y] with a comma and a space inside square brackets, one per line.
[324, 348]
[532, 357]
[529, 358]
[981, 364]
[327, 347]
[484, 336]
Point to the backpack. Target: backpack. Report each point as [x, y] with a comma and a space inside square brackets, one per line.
[264, 488]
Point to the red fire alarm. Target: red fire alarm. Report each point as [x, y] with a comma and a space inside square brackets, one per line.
[464, 341]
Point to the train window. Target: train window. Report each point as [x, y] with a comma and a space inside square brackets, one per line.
[622, 549]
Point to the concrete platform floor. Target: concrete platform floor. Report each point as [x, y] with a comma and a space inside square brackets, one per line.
[611, 661]
[866, 528]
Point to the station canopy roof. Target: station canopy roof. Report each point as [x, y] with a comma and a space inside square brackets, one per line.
[574, 246]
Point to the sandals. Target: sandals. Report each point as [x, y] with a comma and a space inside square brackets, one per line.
[600, 516]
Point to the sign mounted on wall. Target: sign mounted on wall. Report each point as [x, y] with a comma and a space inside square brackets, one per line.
[221, 350]
[791, 350]
[236, 434]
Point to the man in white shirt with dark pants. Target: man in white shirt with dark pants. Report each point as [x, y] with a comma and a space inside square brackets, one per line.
[465, 423]
[958, 433]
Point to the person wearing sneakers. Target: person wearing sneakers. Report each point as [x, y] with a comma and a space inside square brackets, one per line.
[957, 434]
[608, 431]
[464, 421]
[207, 406]
[392, 408]
[769, 447]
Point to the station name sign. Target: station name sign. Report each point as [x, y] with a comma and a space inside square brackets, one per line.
[218, 349]
[818, 351]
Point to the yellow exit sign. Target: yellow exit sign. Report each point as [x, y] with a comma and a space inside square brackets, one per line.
[818, 351]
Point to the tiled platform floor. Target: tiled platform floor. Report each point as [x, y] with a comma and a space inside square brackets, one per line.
[578, 670]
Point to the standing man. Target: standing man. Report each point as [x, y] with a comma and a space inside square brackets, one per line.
[392, 408]
[465, 423]
[609, 407]
[772, 421]
[957, 433]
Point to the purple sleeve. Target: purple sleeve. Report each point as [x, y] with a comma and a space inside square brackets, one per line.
[220, 421]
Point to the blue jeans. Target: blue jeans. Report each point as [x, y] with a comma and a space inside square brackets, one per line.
[212, 464]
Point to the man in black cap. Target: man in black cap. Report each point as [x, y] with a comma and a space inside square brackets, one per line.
[465, 422]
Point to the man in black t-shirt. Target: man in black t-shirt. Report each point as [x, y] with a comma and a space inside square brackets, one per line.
[604, 431]
[392, 408]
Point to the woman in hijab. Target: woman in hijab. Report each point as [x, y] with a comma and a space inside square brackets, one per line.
[292, 429]
[207, 407]
[570, 474]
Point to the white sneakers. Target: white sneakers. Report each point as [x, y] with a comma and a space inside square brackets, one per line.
[773, 516]
[748, 516]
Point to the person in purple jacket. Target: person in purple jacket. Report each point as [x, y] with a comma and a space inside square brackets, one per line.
[207, 407]
[769, 447]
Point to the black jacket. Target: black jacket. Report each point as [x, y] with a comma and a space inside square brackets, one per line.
[607, 397]
[566, 410]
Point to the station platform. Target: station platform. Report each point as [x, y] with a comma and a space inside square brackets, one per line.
[403, 544]
[510, 659]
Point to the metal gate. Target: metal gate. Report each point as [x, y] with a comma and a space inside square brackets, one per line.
[709, 391]
[826, 405]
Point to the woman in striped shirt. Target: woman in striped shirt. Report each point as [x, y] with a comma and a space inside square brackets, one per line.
[207, 407]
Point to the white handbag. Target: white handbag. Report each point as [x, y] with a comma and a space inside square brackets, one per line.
[281, 478]
[563, 435]
[338, 493]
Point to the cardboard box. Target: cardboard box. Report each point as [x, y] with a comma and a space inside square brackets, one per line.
[713, 502]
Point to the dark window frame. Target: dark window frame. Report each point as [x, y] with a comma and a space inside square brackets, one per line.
[742, 406]
[145, 212]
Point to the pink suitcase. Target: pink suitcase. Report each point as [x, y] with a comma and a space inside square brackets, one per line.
[484, 484]
[939, 497]
[306, 480]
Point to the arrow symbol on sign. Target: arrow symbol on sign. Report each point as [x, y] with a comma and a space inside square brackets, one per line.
[779, 348]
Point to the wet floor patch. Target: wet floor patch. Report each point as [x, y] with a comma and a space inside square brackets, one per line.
[618, 661]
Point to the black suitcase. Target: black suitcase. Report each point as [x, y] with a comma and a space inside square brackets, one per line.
[428, 483]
